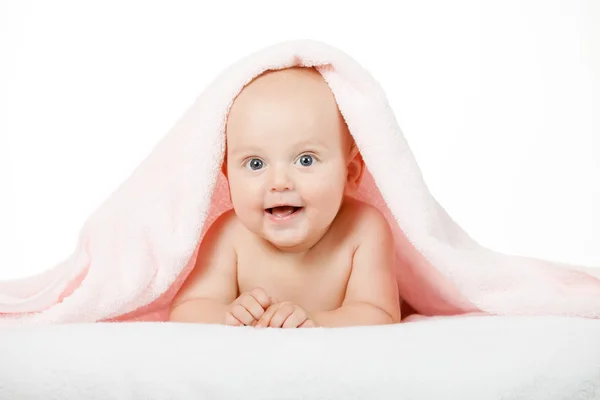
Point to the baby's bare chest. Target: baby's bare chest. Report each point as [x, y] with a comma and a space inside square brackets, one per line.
[317, 284]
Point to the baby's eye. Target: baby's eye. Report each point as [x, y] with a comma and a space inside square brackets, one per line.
[306, 160]
[254, 164]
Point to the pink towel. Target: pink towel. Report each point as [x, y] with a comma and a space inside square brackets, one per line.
[136, 249]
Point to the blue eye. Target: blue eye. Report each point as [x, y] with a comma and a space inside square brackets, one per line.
[306, 160]
[254, 164]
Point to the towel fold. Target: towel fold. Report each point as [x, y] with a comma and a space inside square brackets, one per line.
[137, 248]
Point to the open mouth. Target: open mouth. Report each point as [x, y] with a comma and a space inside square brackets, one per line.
[283, 211]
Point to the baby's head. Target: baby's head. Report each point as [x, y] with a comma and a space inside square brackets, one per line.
[290, 158]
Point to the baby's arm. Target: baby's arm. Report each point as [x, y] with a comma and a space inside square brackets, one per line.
[372, 292]
[212, 285]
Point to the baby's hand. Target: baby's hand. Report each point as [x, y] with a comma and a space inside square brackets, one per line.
[285, 315]
[248, 308]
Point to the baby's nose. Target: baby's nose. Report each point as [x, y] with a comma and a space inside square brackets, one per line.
[281, 181]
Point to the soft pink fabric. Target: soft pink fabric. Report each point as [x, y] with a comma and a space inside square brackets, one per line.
[137, 248]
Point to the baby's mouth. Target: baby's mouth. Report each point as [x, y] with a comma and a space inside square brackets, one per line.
[283, 211]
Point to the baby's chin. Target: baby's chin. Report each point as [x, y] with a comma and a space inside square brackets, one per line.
[288, 241]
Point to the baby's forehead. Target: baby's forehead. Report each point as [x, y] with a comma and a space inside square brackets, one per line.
[292, 92]
[290, 105]
[284, 140]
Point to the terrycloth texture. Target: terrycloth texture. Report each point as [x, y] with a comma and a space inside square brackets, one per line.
[135, 250]
[466, 358]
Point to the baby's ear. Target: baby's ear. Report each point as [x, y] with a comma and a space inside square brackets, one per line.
[224, 167]
[224, 164]
[356, 168]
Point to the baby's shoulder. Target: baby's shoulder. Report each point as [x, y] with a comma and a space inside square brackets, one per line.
[361, 212]
[364, 219]
[224, 228]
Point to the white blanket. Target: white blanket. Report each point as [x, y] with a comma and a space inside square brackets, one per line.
[480, 358]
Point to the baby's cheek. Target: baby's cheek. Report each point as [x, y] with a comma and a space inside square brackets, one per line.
[331, 185]
[244, 195]
[327, 198]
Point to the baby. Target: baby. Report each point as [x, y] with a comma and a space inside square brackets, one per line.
[296, 250]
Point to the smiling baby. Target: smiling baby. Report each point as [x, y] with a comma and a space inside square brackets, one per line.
[296, 250]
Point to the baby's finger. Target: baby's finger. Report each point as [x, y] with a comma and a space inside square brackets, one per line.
[265, 320]
[261, 297]
[253, 307]
[295, 320]
[231, 320]
[242, 314]
[309, 323]
[281, 315]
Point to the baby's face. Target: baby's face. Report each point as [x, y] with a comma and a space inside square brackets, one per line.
[287, 156]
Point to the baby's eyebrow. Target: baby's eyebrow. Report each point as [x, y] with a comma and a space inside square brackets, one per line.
[310, 145]
[244, 150]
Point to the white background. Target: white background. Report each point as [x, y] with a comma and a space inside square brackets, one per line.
[500, 102]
